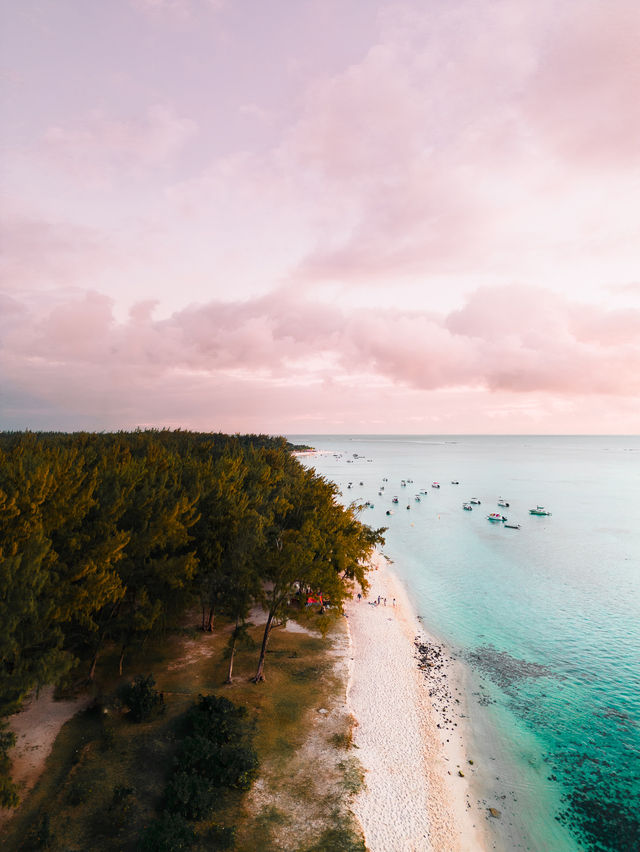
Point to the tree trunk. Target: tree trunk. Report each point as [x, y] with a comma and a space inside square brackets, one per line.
[209, 627]
[203, 627]
[121, 663]
[94, 662]
[259, 675]
[233, 651]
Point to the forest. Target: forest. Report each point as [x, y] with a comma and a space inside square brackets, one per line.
[109, 539]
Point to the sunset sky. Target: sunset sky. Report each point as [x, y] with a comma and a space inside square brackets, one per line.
[300, 216]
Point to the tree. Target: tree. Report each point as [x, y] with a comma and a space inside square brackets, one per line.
[157, 564]
[315, 545]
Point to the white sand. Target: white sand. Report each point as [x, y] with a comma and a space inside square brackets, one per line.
[414, 798]
[36, 728]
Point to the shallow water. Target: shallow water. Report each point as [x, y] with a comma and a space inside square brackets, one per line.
[545, 619]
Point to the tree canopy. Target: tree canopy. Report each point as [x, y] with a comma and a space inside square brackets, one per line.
[107, 539]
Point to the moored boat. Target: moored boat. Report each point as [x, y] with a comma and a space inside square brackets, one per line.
[502, 502]
[496, 516]
[475, 501]
[467, 507]
[435, 485]
[512, 526]
[539, 510]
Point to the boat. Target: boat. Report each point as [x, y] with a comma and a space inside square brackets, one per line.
[496, 516]
[475, 501]
[389, 512]
[467, 507]
[455, 482]
[512, 526]
[502, 502]
[539, 510]
[395, 500]
[435, 485]
[417, 498]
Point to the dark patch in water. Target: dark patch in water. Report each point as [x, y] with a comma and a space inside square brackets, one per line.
[599, 777]
[621, 719]
[503, 669]
[604, 823]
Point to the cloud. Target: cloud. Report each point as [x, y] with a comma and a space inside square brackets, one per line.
[98, 147]
[473, 137]
[508, 344]
[37, 253]
[179, 7]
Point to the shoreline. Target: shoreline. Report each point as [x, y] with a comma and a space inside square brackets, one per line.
[410, 729]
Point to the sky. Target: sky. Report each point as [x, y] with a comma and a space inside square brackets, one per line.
[320, 216]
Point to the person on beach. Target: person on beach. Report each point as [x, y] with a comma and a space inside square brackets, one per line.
[385, 601]
[394, 601]
[359, 596]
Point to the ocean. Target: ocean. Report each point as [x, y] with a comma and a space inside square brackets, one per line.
[544, 619]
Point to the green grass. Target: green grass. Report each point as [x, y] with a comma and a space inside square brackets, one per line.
[98, 754]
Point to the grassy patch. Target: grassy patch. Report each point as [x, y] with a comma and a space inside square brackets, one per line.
[104, 781]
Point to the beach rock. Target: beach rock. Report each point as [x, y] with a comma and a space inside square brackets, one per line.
[494, 813]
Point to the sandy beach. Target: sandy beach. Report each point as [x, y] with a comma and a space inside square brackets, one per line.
[410, 730]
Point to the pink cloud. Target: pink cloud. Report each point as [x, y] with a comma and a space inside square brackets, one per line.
[97, 147]
[516, 344]
[37, 253]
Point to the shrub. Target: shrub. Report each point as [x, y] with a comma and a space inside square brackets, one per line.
[8, 791]
[236, 767]
[169, 833]
[217, 719]
[220, 837]
[190, 795]
[141, 698]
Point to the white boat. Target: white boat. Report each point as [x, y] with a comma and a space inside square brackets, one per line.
[467, 507]
[435, 485]
[496, 516]
[539, 510]
[475, 501]
[502, 502]
[455, 482]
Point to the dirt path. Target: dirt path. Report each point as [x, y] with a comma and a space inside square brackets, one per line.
[36, 728]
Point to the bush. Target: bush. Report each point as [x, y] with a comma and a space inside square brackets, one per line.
[217, 719]
[190, 795]
[236, 767]
[8, 791]
[169, 833]
[220, 837]
[140, 697]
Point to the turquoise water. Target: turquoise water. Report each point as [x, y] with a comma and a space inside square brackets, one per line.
[545, 619]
